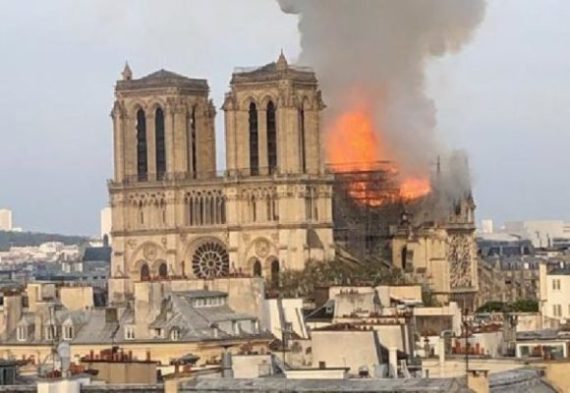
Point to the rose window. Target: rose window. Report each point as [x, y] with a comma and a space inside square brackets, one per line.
[210, 260]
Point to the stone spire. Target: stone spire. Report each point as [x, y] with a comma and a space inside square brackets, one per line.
[282, 62]
[127, 73]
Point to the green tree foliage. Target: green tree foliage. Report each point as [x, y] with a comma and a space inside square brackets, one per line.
[319, 274]
[20, 239]
[521, 305]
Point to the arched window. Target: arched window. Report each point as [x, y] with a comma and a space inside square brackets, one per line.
[192, 143]
[275, 273]
[257, 269]
[145, 273]
[142, 164]
[162, 270]
[160, 144]
[404, 257]
[271, 138]
[253, 141]
[302, 152]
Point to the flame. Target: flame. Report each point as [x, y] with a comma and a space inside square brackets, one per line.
[354, 144]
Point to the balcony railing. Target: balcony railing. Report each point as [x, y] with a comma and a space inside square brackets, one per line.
[175, 177]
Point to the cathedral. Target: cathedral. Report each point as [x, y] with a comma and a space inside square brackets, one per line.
[176, 216]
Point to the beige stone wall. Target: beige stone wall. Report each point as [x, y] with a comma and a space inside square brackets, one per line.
[76, 298]
[124, 373]
[351, 349]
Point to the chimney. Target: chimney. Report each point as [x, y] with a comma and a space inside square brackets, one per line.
[478, 381]
[227, 371]
[111, 315]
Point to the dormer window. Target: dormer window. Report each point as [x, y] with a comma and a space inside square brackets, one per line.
[50, 332]
[129, 333]
[175, 334]
[68, 332]
[22, 333]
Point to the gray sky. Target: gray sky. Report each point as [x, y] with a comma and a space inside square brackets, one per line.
[504, 98]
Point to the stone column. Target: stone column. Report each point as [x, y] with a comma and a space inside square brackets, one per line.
[262, 140]
[130, 147]
[118, 141]
[393, 362]
[242, 140]
[180, 137]
[169, 130]
[312, 142]
[231, 140]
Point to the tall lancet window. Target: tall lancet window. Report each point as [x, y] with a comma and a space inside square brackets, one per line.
[192, 143]
[302, 140]
[142, 164]
[271, 138]
[160, 144]
[253, 140]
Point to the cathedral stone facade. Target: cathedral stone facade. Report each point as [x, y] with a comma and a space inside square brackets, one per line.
[175, 216]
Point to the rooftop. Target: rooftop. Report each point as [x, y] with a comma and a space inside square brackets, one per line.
[162, 79]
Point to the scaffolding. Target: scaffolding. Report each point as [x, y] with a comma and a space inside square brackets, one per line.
[367, 209]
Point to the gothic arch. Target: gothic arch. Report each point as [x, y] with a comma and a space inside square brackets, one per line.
[271, 127]
[134, 106]
[255, 267]
[275, 272]
[144, 272]
[267, 99]
[149, 253]
[141, 127]
[253, 133]
[162, 269]
[160, 142]
[246, 102]
[156, 104]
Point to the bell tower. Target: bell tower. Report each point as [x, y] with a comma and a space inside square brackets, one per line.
[272, 118]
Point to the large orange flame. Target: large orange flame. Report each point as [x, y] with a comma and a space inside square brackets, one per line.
[353, 144]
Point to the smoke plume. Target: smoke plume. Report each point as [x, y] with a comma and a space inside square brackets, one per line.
[373, 54]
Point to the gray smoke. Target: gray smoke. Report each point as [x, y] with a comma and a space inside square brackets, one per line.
[377, 50]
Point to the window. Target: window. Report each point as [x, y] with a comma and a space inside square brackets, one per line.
[160, 144]
[275, 273]
[175, 334]
[162, 270]
[68, 332]
[557, 310]
[253, 141]
[22, 333]
[142, 165]
[192, 143]
[50, 332]
[271, 138]
[302, 139]
[556, 284]
[129, 333]
[145, 273]
[257, 269]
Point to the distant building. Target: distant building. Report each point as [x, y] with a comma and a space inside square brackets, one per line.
[106, 223]
[5, 220]
[542, 233]
[555, 292]
[487, 226]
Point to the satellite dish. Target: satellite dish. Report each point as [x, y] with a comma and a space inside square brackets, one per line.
[64, 352]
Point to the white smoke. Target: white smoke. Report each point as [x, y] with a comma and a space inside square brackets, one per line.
[378, 50]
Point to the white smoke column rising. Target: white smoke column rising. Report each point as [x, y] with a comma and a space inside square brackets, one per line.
[377, 51]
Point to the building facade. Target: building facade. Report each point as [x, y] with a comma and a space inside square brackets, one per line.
[175, 215]
[5, 220]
